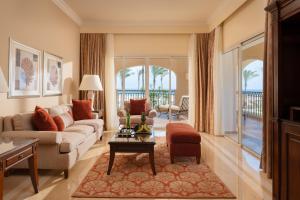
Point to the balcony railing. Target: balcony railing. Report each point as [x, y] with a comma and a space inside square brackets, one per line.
[252, 103]
[157, 97]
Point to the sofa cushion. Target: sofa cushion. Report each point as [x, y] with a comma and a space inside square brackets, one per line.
[138, 106]
[95, 123]
[63, 120]
[43, 121]
[182, 133]
[70, 141]
[82, 129]
[22, 122]
[8, 124]
[82, 109]
[59, 109]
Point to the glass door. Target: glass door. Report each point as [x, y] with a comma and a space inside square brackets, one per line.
[251, 73]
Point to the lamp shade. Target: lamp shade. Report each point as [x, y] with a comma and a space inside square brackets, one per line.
[91, 82]
[3, 84]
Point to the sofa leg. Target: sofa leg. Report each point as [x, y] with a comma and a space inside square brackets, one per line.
[172, 159]
[66, 173]
[198, 159]
[101, 138]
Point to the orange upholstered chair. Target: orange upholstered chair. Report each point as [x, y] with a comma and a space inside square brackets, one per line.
[183, 140]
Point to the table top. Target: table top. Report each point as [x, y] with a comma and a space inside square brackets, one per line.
[9, 145]
[137, 138]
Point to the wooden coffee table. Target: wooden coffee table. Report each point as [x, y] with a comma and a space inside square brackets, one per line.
[140, 143]
[14, 151]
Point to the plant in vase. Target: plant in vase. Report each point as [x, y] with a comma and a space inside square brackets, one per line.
[128, 122]
[143, 128]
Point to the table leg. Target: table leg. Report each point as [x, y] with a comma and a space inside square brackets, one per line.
[33, 167]
[151, 159]
[111, 161]
[1, 179]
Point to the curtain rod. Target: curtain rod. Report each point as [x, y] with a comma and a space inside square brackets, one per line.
[153, 57]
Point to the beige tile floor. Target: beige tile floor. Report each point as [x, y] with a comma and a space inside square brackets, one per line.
[236, 168]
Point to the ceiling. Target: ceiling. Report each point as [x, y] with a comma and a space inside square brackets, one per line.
[147, 12]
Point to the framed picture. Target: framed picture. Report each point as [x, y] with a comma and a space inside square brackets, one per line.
[24, 70]
[52, 83]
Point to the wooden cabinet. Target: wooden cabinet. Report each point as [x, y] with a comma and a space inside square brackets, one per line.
[284, 85]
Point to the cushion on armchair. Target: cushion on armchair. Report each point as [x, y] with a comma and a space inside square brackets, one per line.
[137, 107]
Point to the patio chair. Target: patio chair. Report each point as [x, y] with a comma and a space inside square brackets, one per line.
[182, 109]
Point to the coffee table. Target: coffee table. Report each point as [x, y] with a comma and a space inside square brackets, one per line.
[14, 151]
[139, 143]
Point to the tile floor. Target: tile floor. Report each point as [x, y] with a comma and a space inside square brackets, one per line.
[237, 169]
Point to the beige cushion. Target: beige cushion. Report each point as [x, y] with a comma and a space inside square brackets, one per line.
[45, 137]
[70, 141]
[78, 128]
[59, 109]
[95, 123]
[22, 122]
[136, 119]
[1, 124]
[8, 125]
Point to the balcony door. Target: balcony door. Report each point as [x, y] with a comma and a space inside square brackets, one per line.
[157, 80]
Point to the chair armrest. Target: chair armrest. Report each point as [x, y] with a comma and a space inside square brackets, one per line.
[45, 137]
[152, 113]
[122, 113]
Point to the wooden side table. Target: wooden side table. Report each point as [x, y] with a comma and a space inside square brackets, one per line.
[14, 151]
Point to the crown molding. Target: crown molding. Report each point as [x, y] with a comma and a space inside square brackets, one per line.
[68, 11]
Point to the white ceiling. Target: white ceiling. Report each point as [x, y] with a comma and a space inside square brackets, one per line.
[147, 12]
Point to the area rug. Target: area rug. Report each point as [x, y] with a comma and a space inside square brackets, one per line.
[131, 177]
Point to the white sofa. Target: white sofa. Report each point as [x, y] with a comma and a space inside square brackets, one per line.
[57, 150]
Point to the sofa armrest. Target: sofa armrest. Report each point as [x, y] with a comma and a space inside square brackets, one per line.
[45, 137]
[122, 113]
[152, 113]
[95, 115]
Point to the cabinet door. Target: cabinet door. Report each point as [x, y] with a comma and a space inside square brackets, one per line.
[290, 160]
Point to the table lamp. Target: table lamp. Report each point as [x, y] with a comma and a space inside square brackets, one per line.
[91, 83]
[3, 84]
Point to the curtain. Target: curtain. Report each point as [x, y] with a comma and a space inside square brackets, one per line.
[218, 82]
[110, 88]
[191, 75]
[204, 113]
[92, 61]
[266, 157]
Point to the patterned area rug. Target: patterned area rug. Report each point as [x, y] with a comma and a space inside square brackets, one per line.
[131, 177]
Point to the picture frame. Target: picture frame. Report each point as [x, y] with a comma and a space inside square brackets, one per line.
[24, 70]
[53, 77]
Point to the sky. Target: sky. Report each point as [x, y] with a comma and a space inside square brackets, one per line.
[131, 82]
[255, 83]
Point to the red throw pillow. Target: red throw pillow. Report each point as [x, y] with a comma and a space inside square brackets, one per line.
[137, 107]
[82, 109]
[63, 120]
[42, 120]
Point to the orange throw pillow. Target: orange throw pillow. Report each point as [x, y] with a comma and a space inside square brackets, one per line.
[63, 120]
[137, 107]
[82, 109]
[42, 120]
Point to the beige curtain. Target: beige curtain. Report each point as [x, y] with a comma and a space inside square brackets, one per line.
[204, 113]
[266, 157]
[92, 61]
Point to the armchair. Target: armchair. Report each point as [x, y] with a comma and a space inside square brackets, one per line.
[136, 119]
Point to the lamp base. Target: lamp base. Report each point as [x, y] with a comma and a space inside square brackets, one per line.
[91, 96]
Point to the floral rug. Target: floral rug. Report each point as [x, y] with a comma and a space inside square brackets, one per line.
[131, 177]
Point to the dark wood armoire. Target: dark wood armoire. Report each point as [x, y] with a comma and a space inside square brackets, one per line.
[285, 99]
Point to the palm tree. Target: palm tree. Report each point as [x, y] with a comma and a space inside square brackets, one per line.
[248, 75]
[125, 73]
[140, 72]
[163, 73]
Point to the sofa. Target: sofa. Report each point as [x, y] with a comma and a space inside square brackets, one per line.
[57, 150]
[136, 119]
